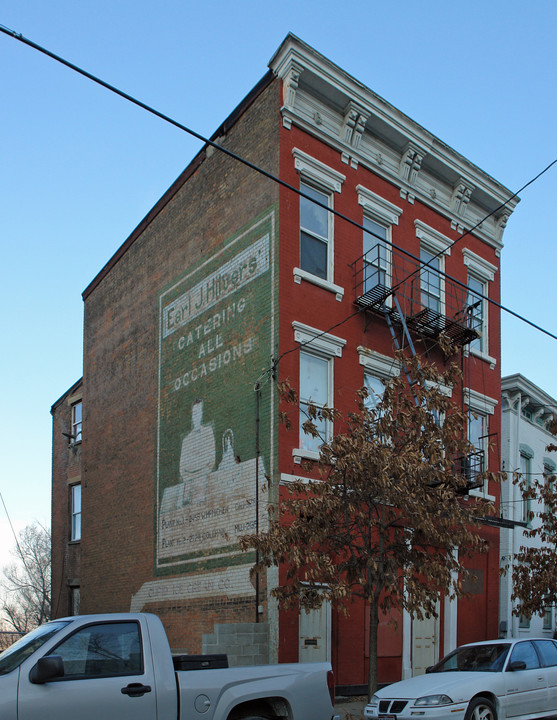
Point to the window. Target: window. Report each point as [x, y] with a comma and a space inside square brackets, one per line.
[525, 477]
[548, 624]
[75, 491]
[376, 264]
[316, 382]
[430, 281]
[477, 312]
[548, 651]
[102, 650]
[77, 422]
[434, 246]
[525, 652]
[319, 182]
[375, 387]
[480, 407]
[315, 232]
[480, 274]
[315, 372]
[477, 435]
[379, 216]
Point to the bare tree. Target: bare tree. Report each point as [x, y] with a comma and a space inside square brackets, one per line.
[26, 588]
[389, 520]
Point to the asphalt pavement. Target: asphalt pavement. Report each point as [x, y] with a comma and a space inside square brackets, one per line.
[350, 708]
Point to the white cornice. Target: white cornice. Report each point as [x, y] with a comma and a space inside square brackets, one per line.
[457, 199]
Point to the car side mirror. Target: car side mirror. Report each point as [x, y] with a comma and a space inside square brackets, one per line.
[46, 669]
[516, 665]
[429, 668]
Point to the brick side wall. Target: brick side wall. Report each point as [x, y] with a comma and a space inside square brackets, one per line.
[122, 398]
[66, 470]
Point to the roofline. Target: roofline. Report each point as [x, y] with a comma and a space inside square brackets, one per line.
[191, 168]
[517, 381]
[68, 392]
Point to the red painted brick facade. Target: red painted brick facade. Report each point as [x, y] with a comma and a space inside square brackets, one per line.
[206, 214]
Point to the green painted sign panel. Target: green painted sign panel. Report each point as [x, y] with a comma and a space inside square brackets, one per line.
[217, 335]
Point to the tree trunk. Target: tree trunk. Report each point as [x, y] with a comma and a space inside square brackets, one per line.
[373, 626]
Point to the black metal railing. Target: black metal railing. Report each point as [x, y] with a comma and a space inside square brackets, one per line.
[431, 303]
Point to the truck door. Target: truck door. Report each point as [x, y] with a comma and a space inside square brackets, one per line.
[105, 676]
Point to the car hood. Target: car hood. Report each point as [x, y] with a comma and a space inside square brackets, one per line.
[459, 686]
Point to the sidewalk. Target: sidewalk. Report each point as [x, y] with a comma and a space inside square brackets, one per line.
[350, 708]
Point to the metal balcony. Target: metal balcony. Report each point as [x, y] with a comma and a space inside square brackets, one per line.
[431, 303]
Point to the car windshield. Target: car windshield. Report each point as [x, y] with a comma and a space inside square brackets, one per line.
[474, 658]
[22, 649]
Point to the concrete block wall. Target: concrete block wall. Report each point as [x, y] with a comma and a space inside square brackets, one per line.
[244, 643]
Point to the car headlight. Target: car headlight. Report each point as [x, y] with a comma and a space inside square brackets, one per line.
[433, 700]
[374, 702]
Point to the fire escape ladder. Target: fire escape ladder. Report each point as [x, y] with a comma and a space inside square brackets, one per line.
[396, 341]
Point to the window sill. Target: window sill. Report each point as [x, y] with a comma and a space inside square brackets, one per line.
[300, 454]
[300, 275]
[483, 356]
[481, 494]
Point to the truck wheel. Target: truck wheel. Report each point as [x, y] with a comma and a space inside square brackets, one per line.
[481, 708]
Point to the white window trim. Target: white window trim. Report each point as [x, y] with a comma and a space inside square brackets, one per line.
[479, 403]
[483, 405]
[73, 513]
[479, 267]
[326, 346]
[374, 363]
[313, 169]
[300, 275]
[434, 242]
[432, 239]
[378, 208]
[329, 181]
[484, 272]
[317, 341]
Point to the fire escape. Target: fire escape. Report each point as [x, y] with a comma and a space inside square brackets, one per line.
[418, 300]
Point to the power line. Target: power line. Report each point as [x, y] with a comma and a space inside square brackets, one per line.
[274, 178]
[21, 555]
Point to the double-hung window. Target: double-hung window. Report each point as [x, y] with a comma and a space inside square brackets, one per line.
[375, 258]
[317, 353]
[430, 281]
[315, 232]
[77, 422]
[318, 185]
[480, 274]
[480, 407]
[379, 217]
[476, 312]
[315, 376]
[525, 470]
[75, 502]
[434, 247]
[375, 387]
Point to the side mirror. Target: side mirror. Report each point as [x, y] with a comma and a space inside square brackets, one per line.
[429, 668]
[47, 668]
[516, 665]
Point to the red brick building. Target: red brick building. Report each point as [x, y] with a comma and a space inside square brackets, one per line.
[229, 271]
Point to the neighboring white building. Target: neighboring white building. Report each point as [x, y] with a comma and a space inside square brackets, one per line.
[526, 412]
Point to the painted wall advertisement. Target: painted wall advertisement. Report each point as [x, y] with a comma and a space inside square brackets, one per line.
[216, 338]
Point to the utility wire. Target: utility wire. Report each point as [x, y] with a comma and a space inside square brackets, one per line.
[21, 555]
[274, 178]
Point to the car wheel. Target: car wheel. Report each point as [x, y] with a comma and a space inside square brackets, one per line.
[481, 708]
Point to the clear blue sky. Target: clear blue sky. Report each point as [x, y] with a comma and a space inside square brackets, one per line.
[80, 167]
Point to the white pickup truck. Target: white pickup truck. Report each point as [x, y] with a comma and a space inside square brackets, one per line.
[114, 667]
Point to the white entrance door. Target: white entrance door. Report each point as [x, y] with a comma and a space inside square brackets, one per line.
[315, 634]
[424, 644]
